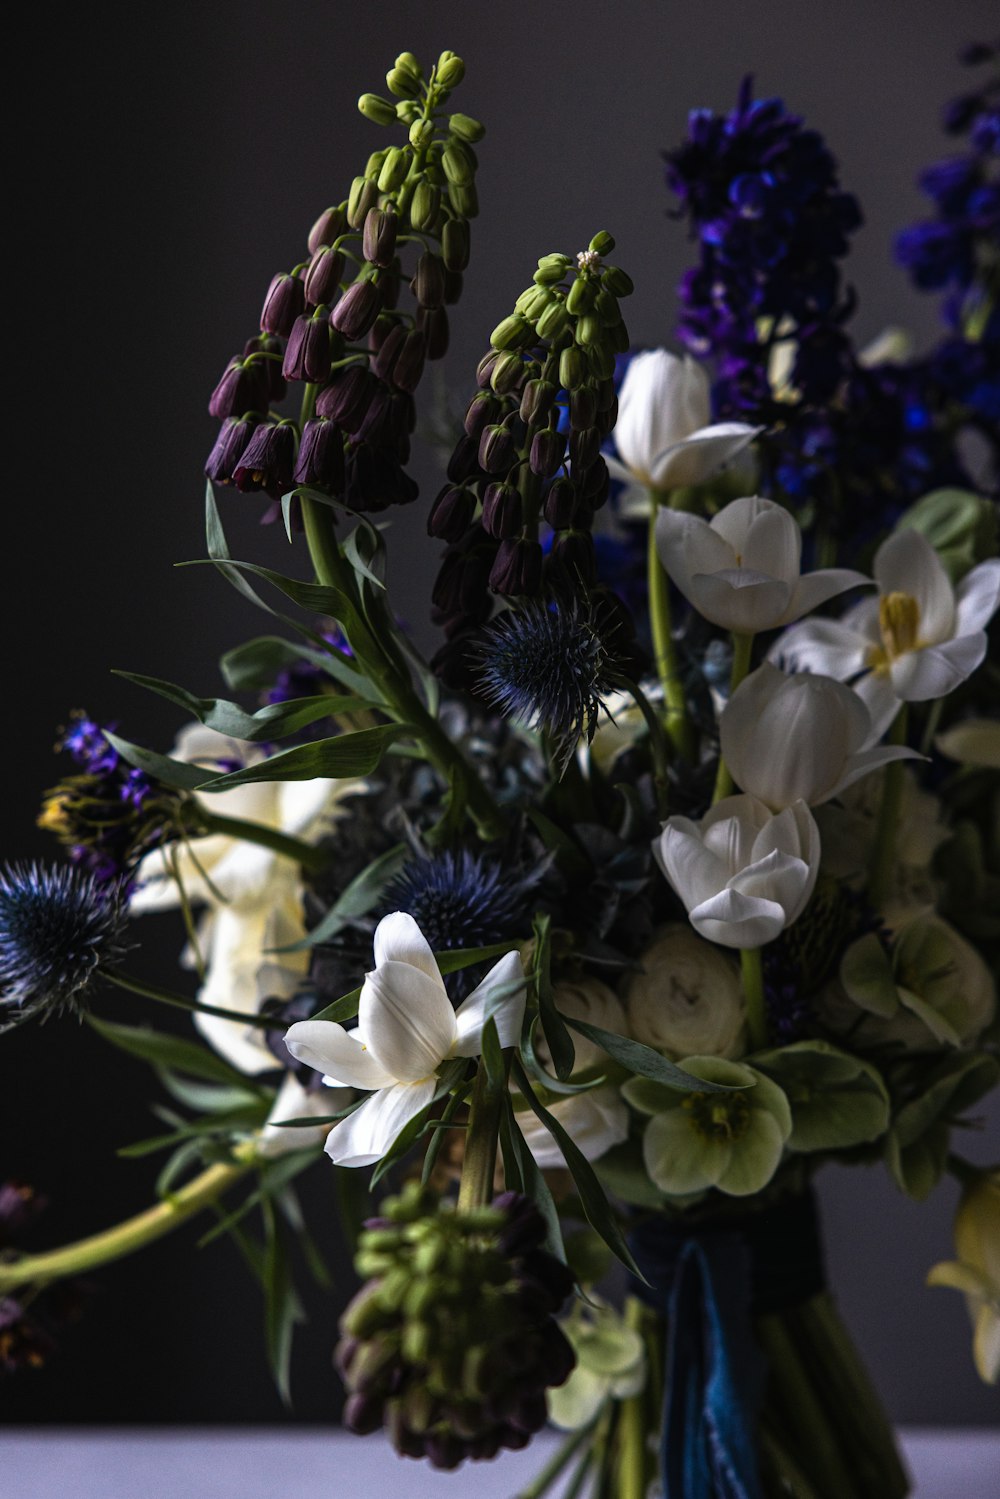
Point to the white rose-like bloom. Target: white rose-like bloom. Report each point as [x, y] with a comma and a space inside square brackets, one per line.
[406, 1028]
[664, 434]
[595, 1121]
[741, 569]
[687, 1000]
[742, 873]
[798, 738]
[253, 895]
[920, 639]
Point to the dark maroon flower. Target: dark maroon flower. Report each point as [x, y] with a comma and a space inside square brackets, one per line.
[322, 283]
[561, 504]
[433, 322]
[243, 387]
[379, 236]
[345, 400]
[354, 315]
[374, 414]
[375, 480]
[502, 511]
[548, 448]
[464, 461]
[268, 460]
[320, 460]
[517, 570]
[267, 344]
[307, 356]
[497, 450]
[229, 447]
[330, 224]
[428, 282]
[284, 302]
[451, 514]
[483, 409]
[572, 557]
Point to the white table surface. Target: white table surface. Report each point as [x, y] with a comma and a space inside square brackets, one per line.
[233, 1463]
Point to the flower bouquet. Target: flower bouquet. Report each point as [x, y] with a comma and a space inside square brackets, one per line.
[673, 875]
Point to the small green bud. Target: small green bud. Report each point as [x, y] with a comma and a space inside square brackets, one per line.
[573, 368]
[374, 107]
[450, 70]
[416, 1342]
[581, 296]
[394, 169]
[601, 360]
[363, 197]
[425, 206]
[464, 199]
[554, 320]
[602, 243]
[606, 307]
[533, 302]
[459, 163]
[374, 164]
[589, 330]
[551, 268]
[428, 1256]
[421, 134]
[407, 110]
[513, 333]
[507, 373]
[402, 83]
[409, 64]
[617, 281]
[466, 128]
[455, 244]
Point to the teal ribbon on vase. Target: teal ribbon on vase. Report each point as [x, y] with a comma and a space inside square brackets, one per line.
[710, 1279]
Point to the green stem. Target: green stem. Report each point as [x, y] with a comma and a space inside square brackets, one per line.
[557, 1464]
[659, 744]
[479, 1163]
[632, 1467]
[677, 724]
[742, 653]
[307, 854]
[124, 1238]
[179, 1002]
[753, 992]
[884, 849]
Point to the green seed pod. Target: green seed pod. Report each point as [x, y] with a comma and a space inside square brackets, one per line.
[514, 332]
[409, 64]
[455, 244]
[416, 1342]
[363, 197]
[421, 134]
[602, 243]
[466, 128]
[365, 1314]
[617, 281]
[589, 330]
[374, 107]
[554, 320]
[573, 369]
[450, 70]
[425, 205]
[507, 373]
[533, 302]
[581, 296]
[402, 83]
[606, 307]
[464, 199]
[459, 163]
[394, 169]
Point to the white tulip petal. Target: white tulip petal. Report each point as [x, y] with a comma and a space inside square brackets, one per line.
[686, 544]
[595, 1121]
[907, 563]
[337, 1054]
[937, 669]
[617, 469]
[735, 920]
[825, 646]
[779, 877]
[398, 939]
[694, 871]
[301, 804]
[863, 763]
[365, 1136]
[697, 457]
[508, 1011]
[407, 1020]
[773, 541]
[977, 597]
[740, 600]
[729, 830]
[816, 588]
[878, 695]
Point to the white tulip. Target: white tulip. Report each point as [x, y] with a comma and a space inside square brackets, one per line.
[595, 1121]
[799, 737]
[295, 1102]
[686, 999]
[920, 639]
[742, 873]
[406, 1028]
[741, 569]
[664, 434]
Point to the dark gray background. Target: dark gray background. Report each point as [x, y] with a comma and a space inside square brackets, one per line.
[177, 157]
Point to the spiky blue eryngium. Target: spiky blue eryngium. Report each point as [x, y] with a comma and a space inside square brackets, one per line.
[462, 900]
[548, 665]
[60, 929]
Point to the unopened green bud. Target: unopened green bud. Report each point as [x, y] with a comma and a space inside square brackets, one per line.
[606, 307]
[553, 320]
[363, 197]
[416, 1342]
[551, 268]
[602, 243]
[374, 107]
[365, 1313]
[513, 333]
[409, 64]
[450, 70]
[464, 199]
[425, 205]
[402, 83]
[421, 1297]
[455, 244]
[573, 368]
[394, 169]
[581, 296]
[589, 329]
[533, 302]
[601, 360]
[374, 164]
[466, 128]
[459, 163]
[617, 281]
[421, 134]
[407, 110]
[418, 1406]
[507, 373]
[537, 400]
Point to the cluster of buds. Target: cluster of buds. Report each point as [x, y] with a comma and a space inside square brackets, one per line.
[334, 323]
[530, 454]
[108, 814]
[452, 1342]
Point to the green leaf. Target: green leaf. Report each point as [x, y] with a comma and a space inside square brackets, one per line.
[168, 1051]
[339, 1010]
[274, 721]
[493, 1057]
[595, 1205]
[253, 666]
[273, 1177]
[560, 1042]
[645, 1062]
[186, 1154]
[282, 1308]
[175, 773]
[364, 549]
[539, 1074]
[340, 757]
[356, 899]
[522, 1173]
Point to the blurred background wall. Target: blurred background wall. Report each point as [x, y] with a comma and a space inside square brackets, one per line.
[177, 156]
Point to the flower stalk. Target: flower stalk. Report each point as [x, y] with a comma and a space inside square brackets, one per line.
[676, 721]
[752, 969]
[884, 849]
[742, 654]
[479, 1163]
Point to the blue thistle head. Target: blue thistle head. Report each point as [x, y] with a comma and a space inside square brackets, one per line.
[549, 666]
[60, 929]
[462, 899]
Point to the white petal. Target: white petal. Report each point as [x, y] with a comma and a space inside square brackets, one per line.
[729, 830]
[595, 1121]
[875, 690]
[865, 762]
[977, 597]
[508, 1012]
[826, 646]
[294, 1102]
[697, 457]
[937, 669]
[779, 877]
[736, 920]
[301, 804]
[337, 1053]
[407, 1020]
[687, 544]
[740, 600]
[815, 588]
[907, 563]
[693, 870]
[398, 939]
[773, 543]
[365, 1136]
[617, 469]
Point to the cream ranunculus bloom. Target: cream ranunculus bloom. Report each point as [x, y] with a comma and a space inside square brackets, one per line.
[406, 1028]
[741, 570]
[252, 895]
[743, 873]
[686, 999]
[800, 737]
[595, 1121]
[664, 434]
[920, 639]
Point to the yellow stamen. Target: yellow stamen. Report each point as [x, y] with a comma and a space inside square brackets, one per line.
[899, 623]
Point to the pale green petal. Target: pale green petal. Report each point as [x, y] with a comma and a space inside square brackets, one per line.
[681, 1160]
[754, 1158]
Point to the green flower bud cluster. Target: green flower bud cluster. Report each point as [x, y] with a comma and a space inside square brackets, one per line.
[405, 221]
[452, 1341]
[530, 453]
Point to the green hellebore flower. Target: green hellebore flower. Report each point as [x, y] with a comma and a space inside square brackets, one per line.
[610, 1364]
[916, 1146]
[837, 1100]
[732, 1141]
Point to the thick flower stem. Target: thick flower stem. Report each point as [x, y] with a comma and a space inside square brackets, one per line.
[124, 1238]
[557, 1464]
[884, 848]
[479, 1163]
[398, 694]
[307, 854]
[677, 724]
[753, 992]
[632, 1468]
[742, 653]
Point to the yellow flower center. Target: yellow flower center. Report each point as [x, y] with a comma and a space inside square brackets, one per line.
[717, 1116]
[53, 816]
[899, 626]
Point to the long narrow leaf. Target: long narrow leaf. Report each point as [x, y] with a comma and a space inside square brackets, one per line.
[357, 898]
[168, 1051]
[529, 1177]
[273, 721]
[645, 1062]
[340, 757]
